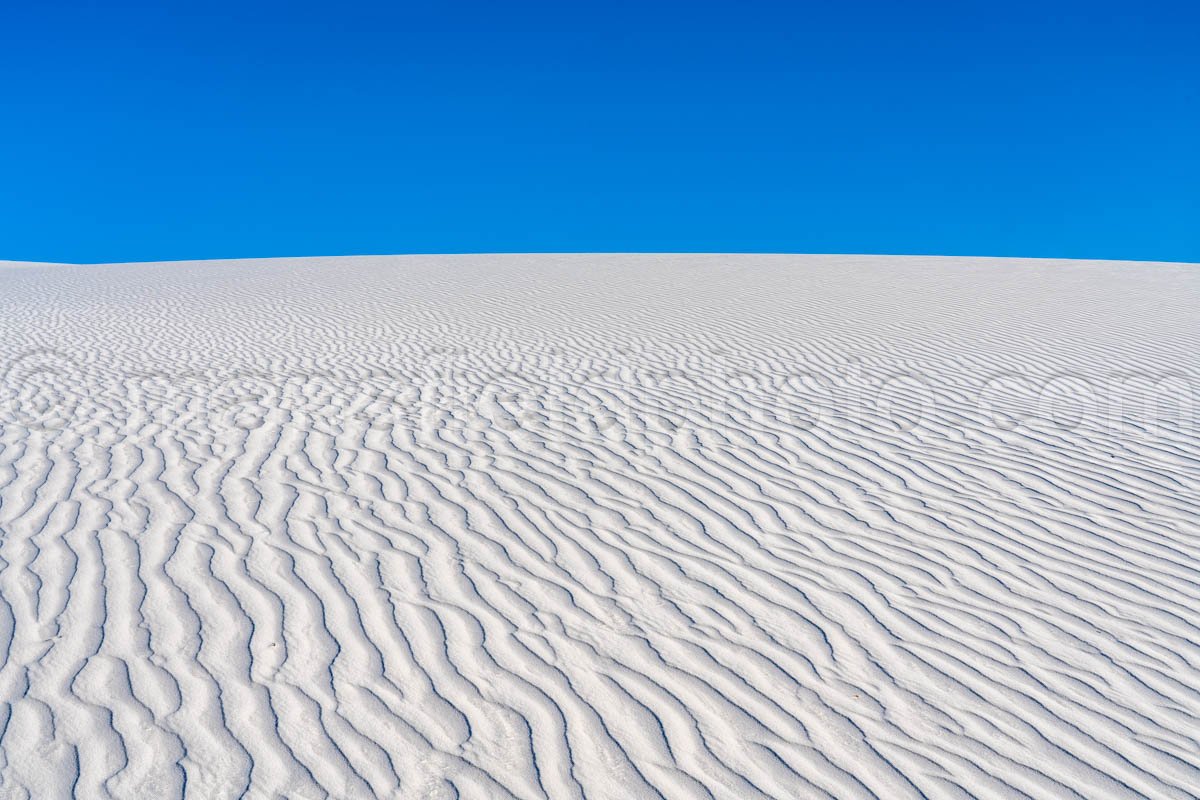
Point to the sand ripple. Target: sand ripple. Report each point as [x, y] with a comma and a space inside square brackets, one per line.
[600, 527]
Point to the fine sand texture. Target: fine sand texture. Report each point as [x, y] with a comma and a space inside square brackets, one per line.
[600, 526]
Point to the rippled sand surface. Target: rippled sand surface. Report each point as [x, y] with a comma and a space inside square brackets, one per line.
[600, 526]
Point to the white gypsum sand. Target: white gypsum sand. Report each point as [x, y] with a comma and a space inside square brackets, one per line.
[602, 526]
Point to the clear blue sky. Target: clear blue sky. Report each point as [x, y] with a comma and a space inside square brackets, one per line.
[159, 130]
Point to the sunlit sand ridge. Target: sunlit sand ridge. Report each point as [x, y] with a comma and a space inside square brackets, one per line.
[600, 526]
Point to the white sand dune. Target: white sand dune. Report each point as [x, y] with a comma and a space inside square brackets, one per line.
[600, 526]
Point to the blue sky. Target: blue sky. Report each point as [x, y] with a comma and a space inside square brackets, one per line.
[150, 131]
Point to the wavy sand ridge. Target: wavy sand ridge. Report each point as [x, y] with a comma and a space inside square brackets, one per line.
[600, 527]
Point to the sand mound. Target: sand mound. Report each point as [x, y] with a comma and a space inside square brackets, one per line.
[600, 526]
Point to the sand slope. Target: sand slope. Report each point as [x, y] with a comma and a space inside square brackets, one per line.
[600, 526]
